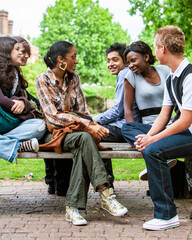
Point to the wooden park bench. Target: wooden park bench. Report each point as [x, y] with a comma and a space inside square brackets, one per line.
[120, 151]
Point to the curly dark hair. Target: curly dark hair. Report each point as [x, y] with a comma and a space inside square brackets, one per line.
[7, 70]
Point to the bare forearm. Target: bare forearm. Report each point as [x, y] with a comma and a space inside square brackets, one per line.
[158, 126]
[161, 121]
[129, 116]
[183, 123]
[177, 127]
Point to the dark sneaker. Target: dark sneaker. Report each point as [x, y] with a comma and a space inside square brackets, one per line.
[31, 145]
[51, 189]
[60, 193]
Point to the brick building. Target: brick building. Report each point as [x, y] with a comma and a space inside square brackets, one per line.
[5, 24]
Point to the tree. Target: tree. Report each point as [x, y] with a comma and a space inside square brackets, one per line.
[157, 14]
[90, 28]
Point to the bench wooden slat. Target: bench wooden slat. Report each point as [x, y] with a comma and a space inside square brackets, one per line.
[120, 150]
[104, 154]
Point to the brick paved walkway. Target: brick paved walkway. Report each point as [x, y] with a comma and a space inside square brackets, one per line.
[27, 212]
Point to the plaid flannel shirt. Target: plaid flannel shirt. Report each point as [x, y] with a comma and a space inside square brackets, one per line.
[52, 99]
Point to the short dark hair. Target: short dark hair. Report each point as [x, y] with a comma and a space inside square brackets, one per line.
[142, 48]
[117, 47]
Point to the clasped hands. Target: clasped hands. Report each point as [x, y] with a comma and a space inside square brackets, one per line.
[143, 141]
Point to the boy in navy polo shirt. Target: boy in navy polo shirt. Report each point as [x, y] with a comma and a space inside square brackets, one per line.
[175, 141]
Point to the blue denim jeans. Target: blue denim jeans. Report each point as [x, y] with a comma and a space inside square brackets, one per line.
[114, 136]
[132, 129]
[159, 177]
[9, 142]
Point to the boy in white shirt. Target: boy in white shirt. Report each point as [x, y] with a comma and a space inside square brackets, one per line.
[175, 141]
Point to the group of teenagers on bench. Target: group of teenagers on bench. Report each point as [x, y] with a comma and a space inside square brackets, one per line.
[145, 98]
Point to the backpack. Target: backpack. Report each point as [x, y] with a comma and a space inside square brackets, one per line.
[180, 180]
[7, 121]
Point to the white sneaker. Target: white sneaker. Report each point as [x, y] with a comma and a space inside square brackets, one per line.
[160, 224]
[73, 215]
[143, 175]
[31, 145]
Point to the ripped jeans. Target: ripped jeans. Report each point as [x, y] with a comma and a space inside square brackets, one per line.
[9, 142]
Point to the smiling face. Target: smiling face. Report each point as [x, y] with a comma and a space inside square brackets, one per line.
[71, 60]
[137, 62]
[115, 63]
[18, 55]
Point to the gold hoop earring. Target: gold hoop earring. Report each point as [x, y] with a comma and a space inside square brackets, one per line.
[61, 67]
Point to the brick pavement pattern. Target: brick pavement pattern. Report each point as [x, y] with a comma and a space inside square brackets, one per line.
[28, 212]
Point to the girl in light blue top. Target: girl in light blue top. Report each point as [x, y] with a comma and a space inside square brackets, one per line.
[144, 82]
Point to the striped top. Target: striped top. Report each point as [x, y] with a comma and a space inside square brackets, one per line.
[53, 98]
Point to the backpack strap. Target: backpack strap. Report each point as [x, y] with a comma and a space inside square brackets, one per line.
[175, 89]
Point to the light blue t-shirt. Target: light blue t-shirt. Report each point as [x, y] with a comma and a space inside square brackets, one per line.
[148, 95]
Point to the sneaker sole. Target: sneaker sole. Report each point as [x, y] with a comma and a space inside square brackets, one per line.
[36, 146]
[143, 177]
[156, 228]
[171, 163]
[76, 224]
[118, 214]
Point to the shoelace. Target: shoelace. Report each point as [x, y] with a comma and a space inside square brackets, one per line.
[26, 146]
[76, 213]
[114, 202]
[156, 221]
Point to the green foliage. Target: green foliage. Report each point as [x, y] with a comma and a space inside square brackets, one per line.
[30, 72]
[24, 167]
[127, 169]
[95, 104]
[100, 91]
[96, 95]
[89, 27]
[157, 14]
[124, 169]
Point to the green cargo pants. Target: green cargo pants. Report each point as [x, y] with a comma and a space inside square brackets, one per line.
[87, 167]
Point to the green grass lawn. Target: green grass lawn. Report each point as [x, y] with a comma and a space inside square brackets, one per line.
[124, 169]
